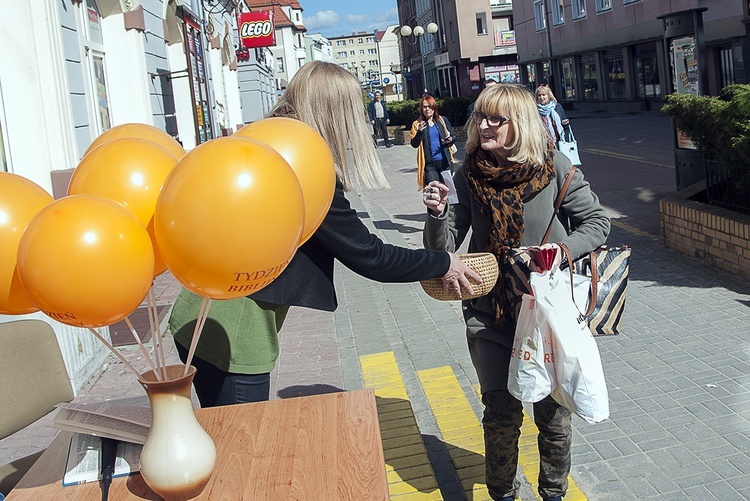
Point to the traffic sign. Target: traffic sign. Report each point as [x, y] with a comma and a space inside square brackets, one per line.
[386, 80]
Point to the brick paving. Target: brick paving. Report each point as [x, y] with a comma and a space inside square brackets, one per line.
[678, 376]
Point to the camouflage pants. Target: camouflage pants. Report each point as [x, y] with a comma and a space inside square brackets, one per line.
[503, 416]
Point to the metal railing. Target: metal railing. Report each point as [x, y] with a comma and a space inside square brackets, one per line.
[728, 185]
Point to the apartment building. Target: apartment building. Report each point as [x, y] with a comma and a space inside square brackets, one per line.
[620, 54]
[475, 39]
[359, 54]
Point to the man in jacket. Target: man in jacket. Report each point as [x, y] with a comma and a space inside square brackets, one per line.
[378, 114]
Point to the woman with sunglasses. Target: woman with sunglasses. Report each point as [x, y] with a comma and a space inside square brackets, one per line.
[506, 189]
[433, 137]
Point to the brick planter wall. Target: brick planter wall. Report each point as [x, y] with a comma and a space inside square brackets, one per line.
[718, 236]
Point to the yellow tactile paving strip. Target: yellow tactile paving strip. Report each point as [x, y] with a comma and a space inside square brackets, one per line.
[410, 474]
[460, 429]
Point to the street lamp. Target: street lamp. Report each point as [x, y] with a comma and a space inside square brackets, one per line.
[418, 32]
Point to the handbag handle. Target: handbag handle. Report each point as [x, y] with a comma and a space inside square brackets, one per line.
[558, 202]
[594, 288]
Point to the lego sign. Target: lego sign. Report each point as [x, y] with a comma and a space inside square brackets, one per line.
[256, 29]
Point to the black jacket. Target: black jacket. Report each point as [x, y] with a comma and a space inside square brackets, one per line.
[308, 280]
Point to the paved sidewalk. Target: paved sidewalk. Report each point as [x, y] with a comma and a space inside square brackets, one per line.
[678, 376]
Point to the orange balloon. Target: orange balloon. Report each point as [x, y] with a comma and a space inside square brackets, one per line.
[86, 261]
[229, 218]
[20, 201]
[141, 131]
[130, 171]
[309, 156]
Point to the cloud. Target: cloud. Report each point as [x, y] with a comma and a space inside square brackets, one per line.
[322, 20]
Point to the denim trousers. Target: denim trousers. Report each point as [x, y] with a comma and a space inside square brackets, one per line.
[217, 387]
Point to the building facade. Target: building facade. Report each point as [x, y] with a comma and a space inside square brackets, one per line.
[71, 69]
[475, 40]
[619, 54]
[289, 53]
[359, 54]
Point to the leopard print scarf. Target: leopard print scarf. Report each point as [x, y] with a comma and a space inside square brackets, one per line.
[500, 191]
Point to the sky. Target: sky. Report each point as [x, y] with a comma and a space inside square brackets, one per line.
[333, 18]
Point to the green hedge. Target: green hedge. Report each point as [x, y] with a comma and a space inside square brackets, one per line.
[405, 112]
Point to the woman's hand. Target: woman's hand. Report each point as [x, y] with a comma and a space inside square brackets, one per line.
[558, 257]
[459, 275]
[422, 125]
[435, 197]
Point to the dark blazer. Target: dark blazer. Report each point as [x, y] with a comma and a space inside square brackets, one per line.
[371, 110]
[308, 280]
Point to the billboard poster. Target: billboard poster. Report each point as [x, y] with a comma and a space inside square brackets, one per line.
[685, 73]
[256, 29]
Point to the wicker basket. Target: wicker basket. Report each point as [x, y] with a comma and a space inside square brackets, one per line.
[484, 263]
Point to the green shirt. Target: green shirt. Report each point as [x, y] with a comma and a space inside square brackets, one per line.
[240, 335]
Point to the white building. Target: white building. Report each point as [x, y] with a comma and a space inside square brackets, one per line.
[71, 69]
[318, 48]
[390, 63]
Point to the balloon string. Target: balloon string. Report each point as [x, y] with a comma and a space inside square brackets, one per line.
[156, 331]
[202, 315]
[113, 350]
[143, 348]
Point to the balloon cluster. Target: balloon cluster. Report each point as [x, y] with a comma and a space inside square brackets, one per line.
[225, 219]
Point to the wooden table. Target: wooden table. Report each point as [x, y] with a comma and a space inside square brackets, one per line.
[321, 447]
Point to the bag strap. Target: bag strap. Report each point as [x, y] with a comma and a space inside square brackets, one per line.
[558, 202]
[594, 287]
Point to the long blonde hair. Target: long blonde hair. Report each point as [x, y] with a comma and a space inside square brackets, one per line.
[531, 139]
[329, 99]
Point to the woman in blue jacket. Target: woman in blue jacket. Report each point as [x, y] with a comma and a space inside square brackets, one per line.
[433, 137]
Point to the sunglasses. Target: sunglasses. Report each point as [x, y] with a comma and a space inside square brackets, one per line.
[492, 120]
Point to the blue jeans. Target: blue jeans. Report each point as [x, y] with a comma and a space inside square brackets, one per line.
[217, 387]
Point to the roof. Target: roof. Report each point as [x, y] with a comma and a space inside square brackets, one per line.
[280, 19]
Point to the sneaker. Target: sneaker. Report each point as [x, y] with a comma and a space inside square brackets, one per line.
[389, 145]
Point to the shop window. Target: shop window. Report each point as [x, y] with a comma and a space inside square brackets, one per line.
[589, 76]
[647, 71]
[531, 76]
[579, 8]
[539, 17]
[198, 81]
[615, 68]
[558, 13]
[568, 80]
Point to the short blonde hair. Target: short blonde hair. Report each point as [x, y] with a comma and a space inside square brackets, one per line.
[329, 99]
[531, 139]
[546, 89]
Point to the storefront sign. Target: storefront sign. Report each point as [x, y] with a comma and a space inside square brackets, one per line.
[256, 29]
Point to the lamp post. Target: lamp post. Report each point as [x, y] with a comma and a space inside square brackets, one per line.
[418, 32]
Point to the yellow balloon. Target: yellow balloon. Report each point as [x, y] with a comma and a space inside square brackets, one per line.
[130, 171]
[141, 131]
[20, 200]
[86, 261]
[229, 218]
[308, 155]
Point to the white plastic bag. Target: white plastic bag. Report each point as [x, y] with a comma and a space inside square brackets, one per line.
[531, 371]
[581, 386]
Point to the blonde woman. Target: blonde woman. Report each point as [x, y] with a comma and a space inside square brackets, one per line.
[552, 112]
[239, 344]
[506, 189]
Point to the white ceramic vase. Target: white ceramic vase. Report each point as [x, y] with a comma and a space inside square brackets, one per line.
[179, 456]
